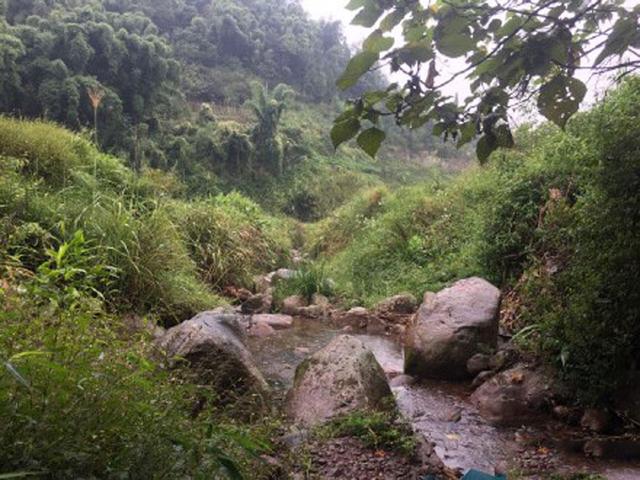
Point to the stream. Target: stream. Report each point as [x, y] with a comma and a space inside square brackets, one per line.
[439, 410]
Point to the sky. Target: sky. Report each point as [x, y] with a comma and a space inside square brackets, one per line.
[334, 10]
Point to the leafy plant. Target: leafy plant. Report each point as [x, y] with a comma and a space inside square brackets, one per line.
[528, 49]
[378, 430]
[308, 280]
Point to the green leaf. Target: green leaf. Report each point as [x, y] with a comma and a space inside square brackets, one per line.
[467, 132]
[377, 43]
[393, 19]
[370, 140]
[344, 131]
[358, 66]
[485, 147]
[625, 31]
[560, 98]
[15, 374]
[503, 135]
[415, 52]
[355, 4]
[368, 16]
[452, 36]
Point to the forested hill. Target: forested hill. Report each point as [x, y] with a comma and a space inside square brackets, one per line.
[232, 94]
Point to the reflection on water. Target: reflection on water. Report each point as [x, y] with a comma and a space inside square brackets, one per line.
[438, 410]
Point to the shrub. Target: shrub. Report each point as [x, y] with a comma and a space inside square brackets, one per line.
[78, 400]
[231, 239]
[308, 280]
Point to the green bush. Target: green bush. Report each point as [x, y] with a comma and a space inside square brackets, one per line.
[231, 239]
[308, 280]
[78, 399]
[377, 430]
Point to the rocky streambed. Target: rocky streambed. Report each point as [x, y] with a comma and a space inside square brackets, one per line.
[440, 410]
[317, 362]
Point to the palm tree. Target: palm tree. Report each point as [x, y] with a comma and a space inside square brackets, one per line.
[268, 108]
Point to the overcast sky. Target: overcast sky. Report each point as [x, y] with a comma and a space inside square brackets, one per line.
[334, 10]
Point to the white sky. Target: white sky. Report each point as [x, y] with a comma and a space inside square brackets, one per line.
[334, 10]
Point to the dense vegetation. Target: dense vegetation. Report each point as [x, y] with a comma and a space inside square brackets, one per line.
[155, 152]
[90, 253]
[554, 222]
[224, 95]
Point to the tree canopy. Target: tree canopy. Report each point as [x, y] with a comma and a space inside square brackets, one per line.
[510, 51]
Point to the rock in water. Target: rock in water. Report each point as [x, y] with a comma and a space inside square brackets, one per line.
[341, 378]
[514, 396]
[213, 344]
[293, 305]
[451, 327]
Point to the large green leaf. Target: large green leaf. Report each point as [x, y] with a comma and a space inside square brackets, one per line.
[371, 139]
[560, 98]
[368, 16]
[344, 131]
[358, 66]
[377, 42]
[625, 31]
[452, 36]
[392, 19]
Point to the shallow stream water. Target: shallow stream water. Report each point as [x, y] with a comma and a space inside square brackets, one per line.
[438, 410]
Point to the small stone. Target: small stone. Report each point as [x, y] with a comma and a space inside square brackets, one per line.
[279, 322]
[261, 329]
[478, 363]
[292, 305]
[258, 303]
[402, 381]
[375, 326]
[481, 378]
[320, 300]
[596, 420]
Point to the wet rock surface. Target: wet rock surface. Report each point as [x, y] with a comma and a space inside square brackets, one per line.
[451, 327]
[341, 378]
[213, 346]
[514, 396]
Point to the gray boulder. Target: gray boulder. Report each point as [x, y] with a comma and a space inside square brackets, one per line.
[341, 378]
[212, 345]
[450, 327]
[514, 396]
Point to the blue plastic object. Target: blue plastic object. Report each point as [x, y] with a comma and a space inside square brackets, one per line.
[476, 475]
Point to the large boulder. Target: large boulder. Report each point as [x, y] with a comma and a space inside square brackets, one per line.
[342, 377]
[450, 327]
[514, 396]
[213, 346]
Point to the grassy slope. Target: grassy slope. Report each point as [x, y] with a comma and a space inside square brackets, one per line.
[556, 220]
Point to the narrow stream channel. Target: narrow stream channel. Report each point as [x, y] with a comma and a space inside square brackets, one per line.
[438, 410]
